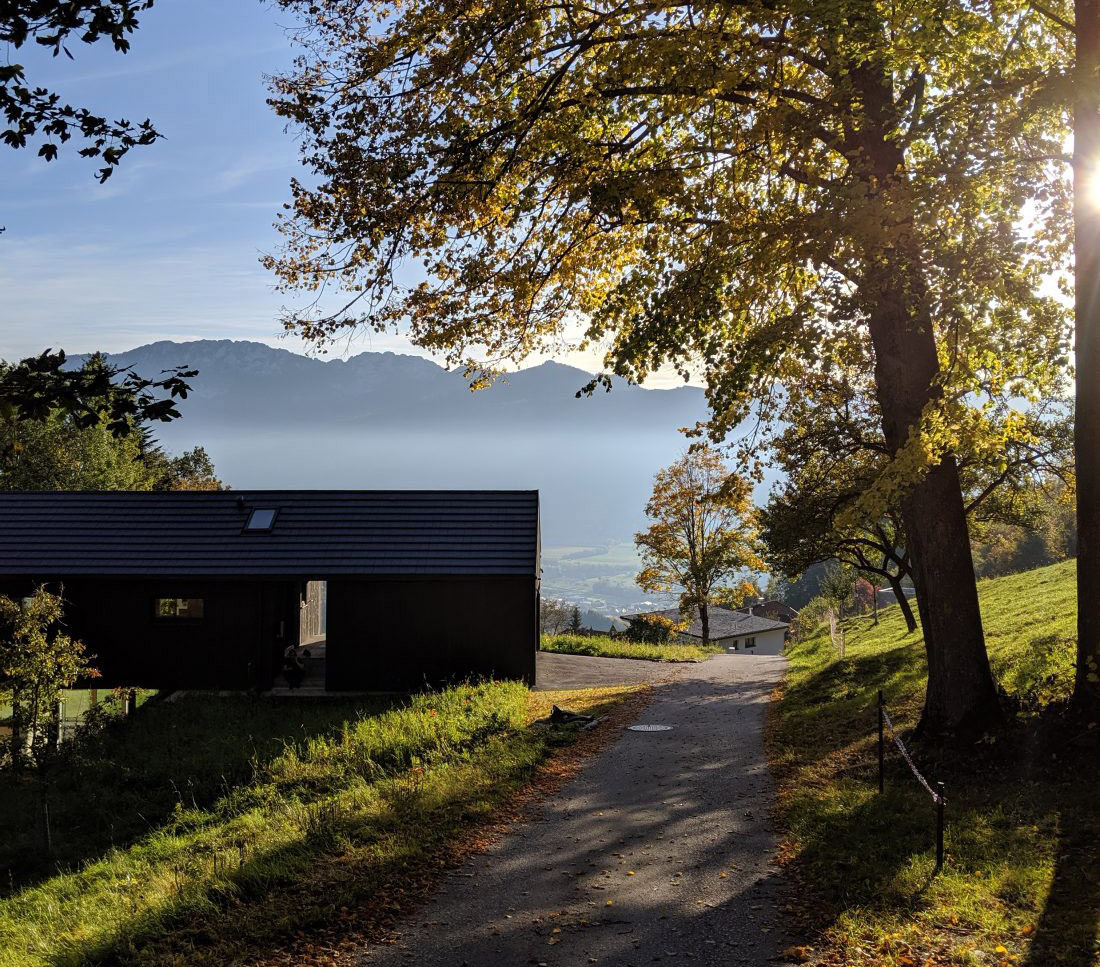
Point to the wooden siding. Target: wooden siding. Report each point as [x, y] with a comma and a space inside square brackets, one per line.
[237, 644]
[405, 634]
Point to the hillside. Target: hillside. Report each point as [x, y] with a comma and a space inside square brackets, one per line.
[1021, 836]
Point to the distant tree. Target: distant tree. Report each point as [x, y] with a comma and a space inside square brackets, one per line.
[58, 454]
[191, 470]
[703, 533]
[34, 112]
[575, 622]
[1042, 532]
[554, 616]
[799, 590]
[37, 661]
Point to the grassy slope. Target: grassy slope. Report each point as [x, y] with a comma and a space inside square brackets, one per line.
[1022, 879]
[601, 646]
[331, 802]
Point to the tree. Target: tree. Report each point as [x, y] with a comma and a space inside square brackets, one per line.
[33, 112]
[798, 590]
[39, 386]
[1086, 224]
[744, 188]
[575, 622]
[58, 454]
[831, 451]
[191, 470]
[63, 450]
[37, 661]
[553, 616]
[703, 533]
[838, 589]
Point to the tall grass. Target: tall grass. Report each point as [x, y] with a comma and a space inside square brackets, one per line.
[1023, 811]
[601, 646]
[319, 796]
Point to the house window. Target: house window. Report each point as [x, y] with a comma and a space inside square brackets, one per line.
[750, 642]
[179, 607]
[261, 519]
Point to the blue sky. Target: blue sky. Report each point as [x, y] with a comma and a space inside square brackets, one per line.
[168, 247]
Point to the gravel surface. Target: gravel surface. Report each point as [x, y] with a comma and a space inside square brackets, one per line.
[660, 850]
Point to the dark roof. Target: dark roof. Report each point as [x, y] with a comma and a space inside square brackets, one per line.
[724, 623]
[317, 533]
[776, 607]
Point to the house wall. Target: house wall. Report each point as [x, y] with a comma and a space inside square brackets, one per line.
[767, 643]
[402, 634]
[236, 644]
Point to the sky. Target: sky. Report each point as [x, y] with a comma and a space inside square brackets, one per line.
[168, 248]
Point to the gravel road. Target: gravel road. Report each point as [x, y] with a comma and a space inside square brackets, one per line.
[659, 850]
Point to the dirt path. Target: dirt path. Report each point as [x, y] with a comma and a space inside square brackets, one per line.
[660, 850]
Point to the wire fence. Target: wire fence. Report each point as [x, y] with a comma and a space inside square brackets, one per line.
[885, 723]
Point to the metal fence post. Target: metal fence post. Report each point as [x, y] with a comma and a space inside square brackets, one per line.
[939, 826]
[881, 750]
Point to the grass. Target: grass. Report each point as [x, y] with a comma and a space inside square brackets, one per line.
[1021, 884]
[601, 646]
[241, 822]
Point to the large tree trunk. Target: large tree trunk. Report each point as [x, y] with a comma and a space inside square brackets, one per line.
[961, 696]
[1086, 219]
[704, 621]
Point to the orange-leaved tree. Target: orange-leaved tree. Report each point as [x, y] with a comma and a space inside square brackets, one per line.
[703, 534]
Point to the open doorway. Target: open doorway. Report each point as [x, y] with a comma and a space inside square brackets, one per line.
[303, 661]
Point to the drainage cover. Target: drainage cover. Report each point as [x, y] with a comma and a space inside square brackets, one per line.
[650, 728]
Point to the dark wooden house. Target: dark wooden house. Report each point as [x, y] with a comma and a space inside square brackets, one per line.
[207, 589]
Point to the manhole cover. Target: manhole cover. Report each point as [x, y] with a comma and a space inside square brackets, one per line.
[650, 728]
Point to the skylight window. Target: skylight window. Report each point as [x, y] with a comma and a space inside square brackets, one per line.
[261, 519]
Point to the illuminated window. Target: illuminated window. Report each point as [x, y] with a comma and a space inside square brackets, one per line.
[261, 519]
[179, 608]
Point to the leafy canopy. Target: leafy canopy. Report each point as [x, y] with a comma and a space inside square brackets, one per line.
[34, 112]
[39, 386]
[680, 183]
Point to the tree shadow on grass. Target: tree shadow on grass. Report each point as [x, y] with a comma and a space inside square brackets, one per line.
[126, 780]
[1067, 932]
[341, 855]
[864, 853]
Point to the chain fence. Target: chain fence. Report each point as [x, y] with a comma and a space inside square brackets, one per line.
[885, 723]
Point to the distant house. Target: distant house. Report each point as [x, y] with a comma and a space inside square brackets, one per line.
[209, 589]
[732, 630]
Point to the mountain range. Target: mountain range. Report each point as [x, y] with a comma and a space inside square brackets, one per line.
[248, 382]
[274, 418]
